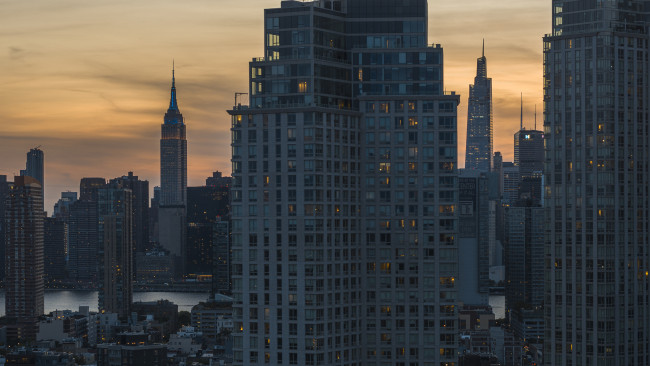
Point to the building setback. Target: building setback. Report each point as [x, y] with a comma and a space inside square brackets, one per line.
[596, 125]
[24, 258]
[344, 191]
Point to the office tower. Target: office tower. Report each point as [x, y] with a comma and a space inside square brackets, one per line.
[345, 190]
[205, 207]
[115, 217]
[173, 155]
[596, 175]
[173, 182]
[35, 165]
[88, 188]
[55, 251]
[510, 183]
[529, 152]
[478, 149]
[140, 191]
[62, 206]
[474, 238]
[525, 270]
[24, 257]
[4, 192]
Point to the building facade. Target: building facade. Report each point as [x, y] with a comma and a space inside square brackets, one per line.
[344, 191]
[115, 229]
[478, 149]
[24, 258]
[596, 125]
[35, 166]
[55, 251]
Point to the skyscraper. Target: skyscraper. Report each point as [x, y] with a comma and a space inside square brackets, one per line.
[529, 152]
[55, 251]
[478, 149]
[173, 155]
[4, 192]
[345, 190]
[140, 190]
[35, 165]
[173, 182]
[115, 217]
[205, 208]
[596, 125]
[24, 257]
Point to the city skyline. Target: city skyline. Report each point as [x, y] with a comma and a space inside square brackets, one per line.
[70, 87]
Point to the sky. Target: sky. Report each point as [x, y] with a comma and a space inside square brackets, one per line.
[89, 81]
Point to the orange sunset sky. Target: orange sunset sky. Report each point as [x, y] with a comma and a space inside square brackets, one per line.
[89, 80]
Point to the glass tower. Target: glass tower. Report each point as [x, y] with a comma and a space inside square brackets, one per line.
[478, 149]
[344, 191]
[596, 125]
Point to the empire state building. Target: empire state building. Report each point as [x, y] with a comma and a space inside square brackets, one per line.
[173, 181]
[173, 155]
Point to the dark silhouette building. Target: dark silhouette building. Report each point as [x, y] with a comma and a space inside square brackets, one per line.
[205, 207]
[173, 182]
[140, 190]
[115, 217]
[83, 240]
[35, 166]
[478, 149]
[55, 251]
[4, 192]
[24, 285]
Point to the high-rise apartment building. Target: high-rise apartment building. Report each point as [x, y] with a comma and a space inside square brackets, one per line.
[24, 258]
[115, 217]
[596, 125]
[478, 149]
[345, 190]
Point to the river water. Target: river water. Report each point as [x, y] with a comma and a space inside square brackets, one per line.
[71, 300]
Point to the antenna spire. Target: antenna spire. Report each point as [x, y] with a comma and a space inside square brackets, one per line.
[521, 112]
[173, 73]
[535, 117]
[483, 52]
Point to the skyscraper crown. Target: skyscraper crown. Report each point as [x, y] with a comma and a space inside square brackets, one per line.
[173, 115]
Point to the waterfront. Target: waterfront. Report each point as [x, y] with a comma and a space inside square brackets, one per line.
[72, 299]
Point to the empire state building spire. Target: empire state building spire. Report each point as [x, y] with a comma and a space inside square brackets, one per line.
[173, 115]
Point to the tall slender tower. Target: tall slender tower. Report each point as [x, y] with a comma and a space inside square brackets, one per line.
[24, 257]
[597, 169]
[173, 181]
[173, 155]
[478, 149]
[344, 195]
